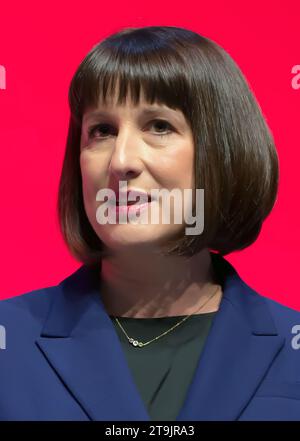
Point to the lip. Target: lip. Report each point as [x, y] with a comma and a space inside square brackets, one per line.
[131, 208]
[125, 211]
[135, 197]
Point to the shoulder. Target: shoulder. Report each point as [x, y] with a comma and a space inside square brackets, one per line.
[25, 313]
[286, 319]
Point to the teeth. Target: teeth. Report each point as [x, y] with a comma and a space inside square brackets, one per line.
[131, 203]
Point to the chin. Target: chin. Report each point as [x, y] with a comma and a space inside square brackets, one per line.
[119, 236]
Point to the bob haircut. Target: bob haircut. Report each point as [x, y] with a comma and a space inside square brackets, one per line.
[235, 158]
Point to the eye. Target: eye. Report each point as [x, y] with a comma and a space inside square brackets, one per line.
[98, 127]
[161, 124]
[107, 128]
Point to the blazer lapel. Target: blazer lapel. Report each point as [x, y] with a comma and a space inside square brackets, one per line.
[80, 343]
[239, 350]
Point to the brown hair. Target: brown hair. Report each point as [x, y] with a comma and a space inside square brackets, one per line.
[235, 157]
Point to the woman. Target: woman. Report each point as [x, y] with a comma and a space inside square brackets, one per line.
[156, 324]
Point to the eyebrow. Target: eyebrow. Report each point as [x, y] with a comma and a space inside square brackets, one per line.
[148, 111]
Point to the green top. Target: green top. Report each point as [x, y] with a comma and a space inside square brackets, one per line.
[164, 369]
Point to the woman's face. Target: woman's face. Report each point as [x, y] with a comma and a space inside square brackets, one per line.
[146, 147]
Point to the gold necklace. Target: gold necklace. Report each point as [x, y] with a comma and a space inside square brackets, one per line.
[141, 344]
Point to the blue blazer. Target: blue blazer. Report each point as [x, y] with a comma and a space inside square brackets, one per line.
[63, 359]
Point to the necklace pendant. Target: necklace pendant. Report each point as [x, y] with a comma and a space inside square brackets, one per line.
[135, 342]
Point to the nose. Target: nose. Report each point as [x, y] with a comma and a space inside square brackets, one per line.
[126, 161]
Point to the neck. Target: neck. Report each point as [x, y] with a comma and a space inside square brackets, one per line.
[145, 284]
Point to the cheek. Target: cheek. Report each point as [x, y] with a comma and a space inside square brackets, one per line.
[86, 173]
[91, 175]
[176, 170]
[185, 163]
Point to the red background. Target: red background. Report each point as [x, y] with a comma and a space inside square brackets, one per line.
[41, 45]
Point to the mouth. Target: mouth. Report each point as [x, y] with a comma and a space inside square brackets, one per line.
[139, 198]
[137, 202]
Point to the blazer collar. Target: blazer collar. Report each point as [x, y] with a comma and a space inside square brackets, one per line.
[80, 343]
